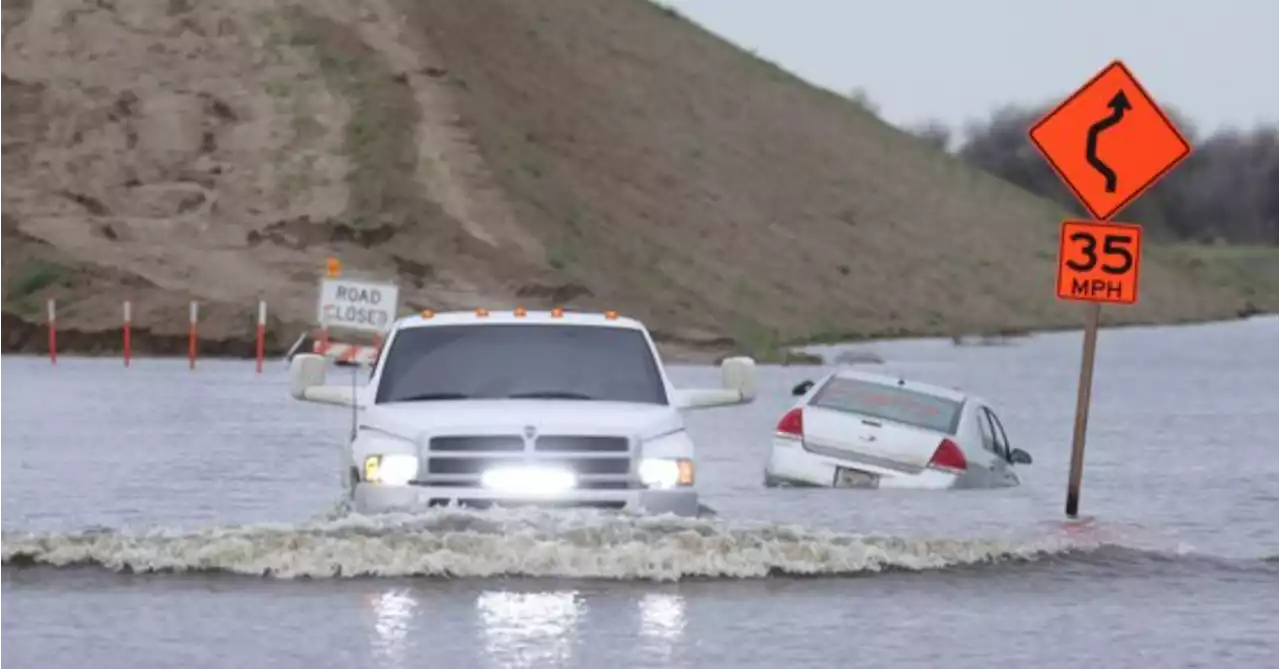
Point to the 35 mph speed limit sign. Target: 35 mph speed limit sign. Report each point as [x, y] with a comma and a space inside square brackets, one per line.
[357, 305]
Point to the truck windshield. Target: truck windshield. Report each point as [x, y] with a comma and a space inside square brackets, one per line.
[520, 361]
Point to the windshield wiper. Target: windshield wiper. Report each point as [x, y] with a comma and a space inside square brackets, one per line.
[551, 395]
[426, 397]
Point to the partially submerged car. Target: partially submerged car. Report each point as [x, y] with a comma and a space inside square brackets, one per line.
[854, 429]
[522, 407]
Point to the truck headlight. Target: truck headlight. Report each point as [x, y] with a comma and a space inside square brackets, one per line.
[666, 472]
[394, 469]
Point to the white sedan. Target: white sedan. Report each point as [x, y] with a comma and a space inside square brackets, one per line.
[854, 429]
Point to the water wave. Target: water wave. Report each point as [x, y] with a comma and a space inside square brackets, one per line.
[521, 542]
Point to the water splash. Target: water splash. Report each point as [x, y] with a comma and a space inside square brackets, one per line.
[522, 542]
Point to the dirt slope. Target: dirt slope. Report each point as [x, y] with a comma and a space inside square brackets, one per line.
[488, 153]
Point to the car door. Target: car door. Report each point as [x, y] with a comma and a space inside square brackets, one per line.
[1003, 447]
[991, 460]
[1000, 446]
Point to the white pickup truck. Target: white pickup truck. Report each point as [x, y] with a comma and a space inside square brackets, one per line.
[520, 407]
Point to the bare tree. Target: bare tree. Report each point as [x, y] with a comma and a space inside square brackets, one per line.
[859, 96]
[933, 132]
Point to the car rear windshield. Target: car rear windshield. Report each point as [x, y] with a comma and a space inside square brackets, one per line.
[900, 405]
[521, 361]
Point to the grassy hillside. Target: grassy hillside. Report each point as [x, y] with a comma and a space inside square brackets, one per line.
[494, 153]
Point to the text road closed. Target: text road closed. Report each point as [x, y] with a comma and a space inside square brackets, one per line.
[358, 305]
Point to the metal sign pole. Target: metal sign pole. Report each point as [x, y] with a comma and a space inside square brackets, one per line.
[1093, 313]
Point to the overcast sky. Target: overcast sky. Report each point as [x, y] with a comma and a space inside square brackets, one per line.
[1216, 60]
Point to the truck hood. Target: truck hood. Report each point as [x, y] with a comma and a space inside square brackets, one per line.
[415, 419]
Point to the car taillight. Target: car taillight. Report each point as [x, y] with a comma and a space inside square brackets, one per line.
[792, 423]
[948, 456]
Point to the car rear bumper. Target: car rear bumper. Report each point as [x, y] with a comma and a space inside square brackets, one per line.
[374, 498]
[789, 463]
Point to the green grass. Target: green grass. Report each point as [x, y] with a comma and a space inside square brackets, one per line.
[379, 139]
[1248, 271]
[766, 347]
[36, 277]
[562, 254]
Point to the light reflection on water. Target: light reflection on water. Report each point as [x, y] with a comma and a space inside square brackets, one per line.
[527, 629]
[662, 622]
[393, 611]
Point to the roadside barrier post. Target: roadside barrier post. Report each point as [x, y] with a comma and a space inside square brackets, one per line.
[51, 310]
[262, 332]
[128, 323]
[191, 334]
[1098, 260]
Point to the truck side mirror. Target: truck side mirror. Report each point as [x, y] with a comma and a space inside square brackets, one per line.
[306, 370]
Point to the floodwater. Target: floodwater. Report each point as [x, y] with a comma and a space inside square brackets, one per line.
[155, 517]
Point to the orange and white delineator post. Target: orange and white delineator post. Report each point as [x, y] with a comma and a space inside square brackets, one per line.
[128, 326]
[262, 332]
[51, 309]
[194, 316]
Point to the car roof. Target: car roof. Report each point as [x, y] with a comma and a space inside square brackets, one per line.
[530, 317]
[954, 394]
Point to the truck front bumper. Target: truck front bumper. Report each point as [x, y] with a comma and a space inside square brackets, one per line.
[377, 498]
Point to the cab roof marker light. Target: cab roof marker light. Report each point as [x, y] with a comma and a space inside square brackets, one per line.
[482, 312]
[427, 313]
[557, 312]
[611, 315]
[520, 312]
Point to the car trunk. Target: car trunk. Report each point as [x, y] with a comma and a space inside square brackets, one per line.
[864, 439]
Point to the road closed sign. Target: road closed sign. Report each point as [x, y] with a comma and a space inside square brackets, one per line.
[357, 305]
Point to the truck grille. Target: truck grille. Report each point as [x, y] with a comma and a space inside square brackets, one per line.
[481, 443]
[600, 462]
[559, 444]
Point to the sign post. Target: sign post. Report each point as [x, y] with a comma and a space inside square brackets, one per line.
[1109, 143]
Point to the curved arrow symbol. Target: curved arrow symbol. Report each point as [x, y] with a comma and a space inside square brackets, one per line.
[1119, 104]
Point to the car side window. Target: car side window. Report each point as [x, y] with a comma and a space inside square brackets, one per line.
[988, 435]
[1002, 440]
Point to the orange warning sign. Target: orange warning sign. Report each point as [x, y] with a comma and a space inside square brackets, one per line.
[1098, 261]
[1109, 142]
[334, 267]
